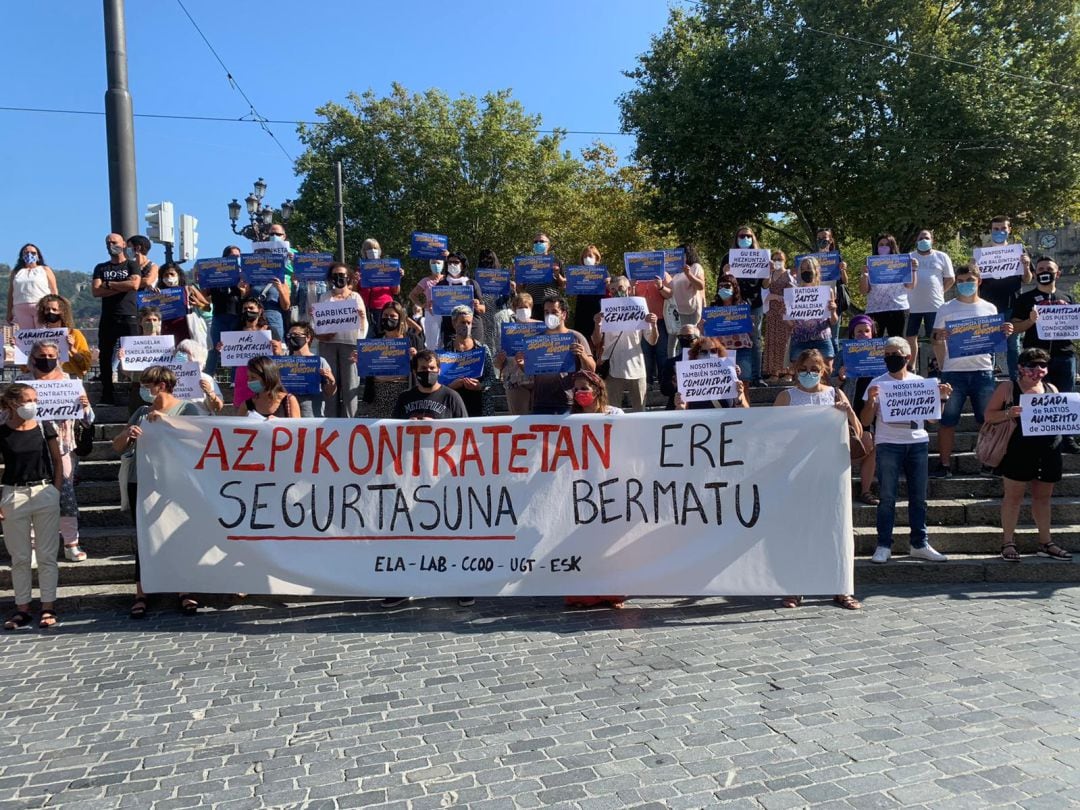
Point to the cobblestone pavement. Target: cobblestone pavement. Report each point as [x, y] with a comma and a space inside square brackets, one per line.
[933, 698]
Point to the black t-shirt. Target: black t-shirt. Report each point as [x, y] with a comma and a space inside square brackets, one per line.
[1022, 311]
[1001, 292]
[26, 454]
[442, 403]
[225, 300]
[116, 307]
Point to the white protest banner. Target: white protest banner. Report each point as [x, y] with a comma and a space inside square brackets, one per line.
[905, 400]
[999, 261]
[749, 263]
[26, 338]
[624, 314]
[707, 379]
[329, 317]
[143, 351]
[694, 502]
[239, 347]
[807, 303]
[273, 247]
[1058, 322]
[1049, 414]
[188, 380]
[58, 400]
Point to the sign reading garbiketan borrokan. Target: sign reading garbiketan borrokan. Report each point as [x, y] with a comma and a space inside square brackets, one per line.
[694, 502]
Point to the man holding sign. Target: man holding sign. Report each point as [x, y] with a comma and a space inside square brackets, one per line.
[1002, 279]
[553, 393]
[617, 337]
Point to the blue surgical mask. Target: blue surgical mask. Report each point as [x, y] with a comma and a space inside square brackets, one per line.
[276, 237]
[999, 237]
[146, 394]
[181, 357]
[746, 242]
[924, 245]
[539, 247]
[724, 294]
[967, 287]
[256, 386]
[808, 379]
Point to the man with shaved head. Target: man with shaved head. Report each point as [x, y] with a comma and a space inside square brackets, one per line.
[116, 283]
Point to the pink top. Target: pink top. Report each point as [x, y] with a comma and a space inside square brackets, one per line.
[376, 298]
[241, 392]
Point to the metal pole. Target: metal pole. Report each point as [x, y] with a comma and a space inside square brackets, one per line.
[119, 125]
[340, 201]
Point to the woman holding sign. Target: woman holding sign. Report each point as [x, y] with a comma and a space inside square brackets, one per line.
[375, 298]
[30, 281]
[729, 293]
[457, 268]
[474, 392]
[54, 311]
[702, 349]
[299, 338]
[1028, 458]
[381, 392]
[814, 333]
[172, 277]
[887, 302]
[777, 331]
[750, 292]
[337, 347]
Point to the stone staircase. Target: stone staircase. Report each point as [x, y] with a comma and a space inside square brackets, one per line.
[963, 514]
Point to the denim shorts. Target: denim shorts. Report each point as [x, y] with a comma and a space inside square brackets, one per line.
[979, 385]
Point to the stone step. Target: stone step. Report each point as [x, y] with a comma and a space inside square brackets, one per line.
[965, 540]
[966, 463]
[960, 512]
[963, 569]
[974, 486]
[105, 469]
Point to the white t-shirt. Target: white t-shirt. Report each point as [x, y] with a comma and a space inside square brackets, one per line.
[624, 351]
[929, 292]
[897, 432]
[957, 310]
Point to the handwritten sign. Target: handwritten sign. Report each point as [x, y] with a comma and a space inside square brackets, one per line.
[493, 280]
[329, 317]
[586, 279]
[907, 400]
[749, 263]
[706, 379]
[724, 321]
[1058, 322]
[217, 273]
[806, 303]
[380, 273]
[999, 261]
[644, 265]
[445, 297]
[550, 354]
[534, 269]
[300, 374]
[188, 380]
[428, 245]
[172, 301]
[674, 260]
[889, 269]
[461, 365]
[1049, 414]
[973, 336]
[58, 400]
[239, 347]
[828, 261]
[260, 269]
[514, 335]
[143, 351]
[26, 338]
[624, 314]
[864, 358]
[311, 266]
[383, 357]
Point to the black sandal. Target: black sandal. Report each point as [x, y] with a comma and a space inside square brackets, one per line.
[48, 619]
[18, 620]
[1053, 551]
[188, 606]
[138, 608]
[1010, 555]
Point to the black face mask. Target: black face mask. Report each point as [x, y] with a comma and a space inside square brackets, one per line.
[823, 244]
[340, 281]
[1045, 278]
[45, 364]
[296, 341]
[52, 317]
[427, 378]
[807, 275]
[390, 326]
[251, 317]
[685, 342]
[895, 362]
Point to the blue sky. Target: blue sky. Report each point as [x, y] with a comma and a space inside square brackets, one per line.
[563, 60]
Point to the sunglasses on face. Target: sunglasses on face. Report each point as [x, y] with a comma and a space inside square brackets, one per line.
[1034, 365]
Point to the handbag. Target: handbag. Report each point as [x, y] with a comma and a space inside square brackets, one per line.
[843, 300]
[860, 446]
[603, 368]
[84, 439]
[994, 438]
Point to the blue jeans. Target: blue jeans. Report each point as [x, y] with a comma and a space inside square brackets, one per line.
[276, 319]
[219, 324]
[1062, 372]
[745, 363]
[755, 350]
[656, 355]
[978, 385]
[911, 459]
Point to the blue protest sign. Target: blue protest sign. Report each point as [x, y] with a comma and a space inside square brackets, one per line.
[428, 245]
[213, 274]
[383, 357]
[864, 358]
[584, 279]
[380, 273]
[645, 265]
[534, 269]
[445, 297]
[550, 354]
[300, 375]
[889, 269]
[674, 261]
[493, 280]
[172, 301]
[972, 336]
[828, 261]
[514, 335]
[460, 365]
[260, 269]
[311, 266]
[723, 321]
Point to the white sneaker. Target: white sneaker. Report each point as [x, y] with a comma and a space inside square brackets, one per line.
[927, 552]
[881, 555]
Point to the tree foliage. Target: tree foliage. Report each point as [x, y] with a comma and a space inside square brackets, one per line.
[746, 108]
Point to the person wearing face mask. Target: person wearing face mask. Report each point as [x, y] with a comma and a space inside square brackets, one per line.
[587, 307]
[299, 338]
[1034, 459]
[812, 388]
[684, 341]
[517, 384]
[225, 307]
[457, 267]
[428, 399]
[553, 393]
[888, 304]
[171, 276]
[687, 293]
[541, 246]
[30, 280]
[826, 242]
[622, 351]
[212, 402]
[138, 249]
[420, 295]
[269, 399]
[703, 348]
[381, 392]
[750, 290]
[496, 307]
[775, 361]
[475, 393]
[149, 324]
[970, 377]
[252, 319]
[375, 298]
[115, 282]
[1003, 292]
[338, 347]
[30, 500]
[729, 291]
[815, 333]
[54, 312]
[935, 277]
[900, 447]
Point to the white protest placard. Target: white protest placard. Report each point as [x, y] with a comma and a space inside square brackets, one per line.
[239, 347]
[999, 261]
[624, 314]
[273, 247]
[188, 380]
[707, 379]
[749, 263]
[26, 338]
[329, 317]
[1058, 322]
[907, 400]
[807, 303]
[58, 400]
[673, 503]
[143, 351]
[1049, 414]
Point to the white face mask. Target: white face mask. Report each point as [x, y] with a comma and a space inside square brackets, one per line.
[28, 410]
[522, 315]
[454, 270]
[552, 321]
[589, 260]
[778, 265]
[373, 253]
[169, 281]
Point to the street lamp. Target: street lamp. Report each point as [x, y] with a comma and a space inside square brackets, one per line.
[260, 215]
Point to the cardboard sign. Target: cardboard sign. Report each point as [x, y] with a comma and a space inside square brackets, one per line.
[461, 365]
[26, 338]
[1049, 414]
[300, 374]
[445, 297]
[330, 317]
[143, 351]
[428, 245]
[585, 279]
[188, 380]
[725, 321]
[707, 379]
[213, 274]
[534, 269]
[999, 261]
[644, 265]
[1058, 322]
[550, 354]
[889, 269]
[493, 280]
[514, 335]
[864, 358]
[807, 303]
[380, 273]
[58, 400]
[624, 314]
[172, 301]
[260, 269]
[383, 357]
[311, 266]
[973, 336]
[828, 261]
[239, 347]
[907, 400]
[749, 263]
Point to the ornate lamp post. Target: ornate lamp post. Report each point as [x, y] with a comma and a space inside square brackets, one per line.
[260, 215]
